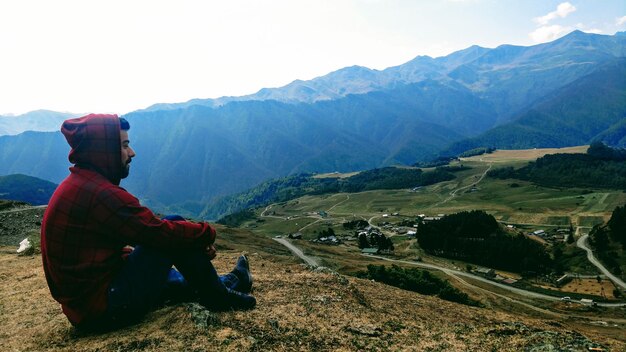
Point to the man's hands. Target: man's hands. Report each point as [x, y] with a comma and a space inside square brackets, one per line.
[126, 250]
[210, 250]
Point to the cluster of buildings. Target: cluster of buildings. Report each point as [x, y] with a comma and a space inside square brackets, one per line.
[555, 235]
[492, 275]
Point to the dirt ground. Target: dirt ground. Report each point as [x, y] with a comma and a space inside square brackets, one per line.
[298, 309]
[590, 286]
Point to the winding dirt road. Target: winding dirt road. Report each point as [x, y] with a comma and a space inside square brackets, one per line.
[295, 250]
[582, 243]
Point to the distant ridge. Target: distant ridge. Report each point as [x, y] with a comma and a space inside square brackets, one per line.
[38, 120]
[486, 72]
[590, 108]
[562, 93]
[27, 189]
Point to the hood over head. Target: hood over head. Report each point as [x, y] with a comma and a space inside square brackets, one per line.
[96, 145]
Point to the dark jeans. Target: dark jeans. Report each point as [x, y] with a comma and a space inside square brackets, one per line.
[148, 280]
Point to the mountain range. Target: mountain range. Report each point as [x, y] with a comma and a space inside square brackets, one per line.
[39, 120]
[567, 92]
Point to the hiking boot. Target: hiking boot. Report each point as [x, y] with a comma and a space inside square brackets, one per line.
[242, 271]
[239, 301]
[229, 300]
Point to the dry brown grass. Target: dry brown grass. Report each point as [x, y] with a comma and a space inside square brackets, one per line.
[524, 154]
[591, 287]
[298, 309]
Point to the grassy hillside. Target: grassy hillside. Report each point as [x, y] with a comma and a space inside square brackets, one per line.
[600, 167]
[298, 309]
[304, 309]
[525, 206]
[589, 108]
[26, 189]
[291, 187]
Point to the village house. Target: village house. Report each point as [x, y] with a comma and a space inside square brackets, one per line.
[486, 272]
[295, 236]
[540, 233]
[327, 240]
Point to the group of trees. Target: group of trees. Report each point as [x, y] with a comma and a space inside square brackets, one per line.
[476, 237]
[477, 151]
[355, 224]
[329, 232]
[291, 187]
[416, 280]
[237, 218]
[375, 239]
[392, 178]
[617, 224]
[439, 161]
[602, 167]
[606, 240]
[600, 150]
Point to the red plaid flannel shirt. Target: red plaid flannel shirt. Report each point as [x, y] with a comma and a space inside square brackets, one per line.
[90, 219]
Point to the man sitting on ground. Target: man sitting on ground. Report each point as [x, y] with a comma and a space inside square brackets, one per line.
[91, 223]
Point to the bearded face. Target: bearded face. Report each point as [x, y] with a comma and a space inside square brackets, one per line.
[127, 153]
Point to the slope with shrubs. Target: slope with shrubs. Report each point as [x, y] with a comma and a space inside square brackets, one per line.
[27, 189]
[283, 189]
[609, 242]
[601, 167]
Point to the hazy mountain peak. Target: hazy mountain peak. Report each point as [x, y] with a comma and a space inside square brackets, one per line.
[37, 120]
[475, 67]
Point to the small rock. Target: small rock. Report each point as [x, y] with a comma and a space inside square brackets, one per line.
[368, 330]
[274, 324]
[202, 317]
[323, 269]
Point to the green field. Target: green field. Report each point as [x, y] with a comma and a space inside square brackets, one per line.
[511, 201]
[529, 207]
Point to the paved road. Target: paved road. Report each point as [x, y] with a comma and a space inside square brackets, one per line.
[471, 276]
[582, 243]
[453, 272]
[295, 250]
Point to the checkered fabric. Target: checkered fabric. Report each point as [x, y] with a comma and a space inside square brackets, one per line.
[90, 219]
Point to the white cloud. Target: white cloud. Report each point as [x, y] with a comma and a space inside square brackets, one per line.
[620, 21]
[585, 29]
[592, 30]
[548, 33]
[561, 11]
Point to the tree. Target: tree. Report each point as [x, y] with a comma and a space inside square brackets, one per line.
[599, 238]
[363, 243]
[617, 223]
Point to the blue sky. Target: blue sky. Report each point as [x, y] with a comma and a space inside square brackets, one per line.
[120, 55]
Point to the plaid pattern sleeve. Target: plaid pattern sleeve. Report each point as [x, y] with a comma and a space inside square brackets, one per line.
[90, 219]
[129, 222]
[87, 224]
